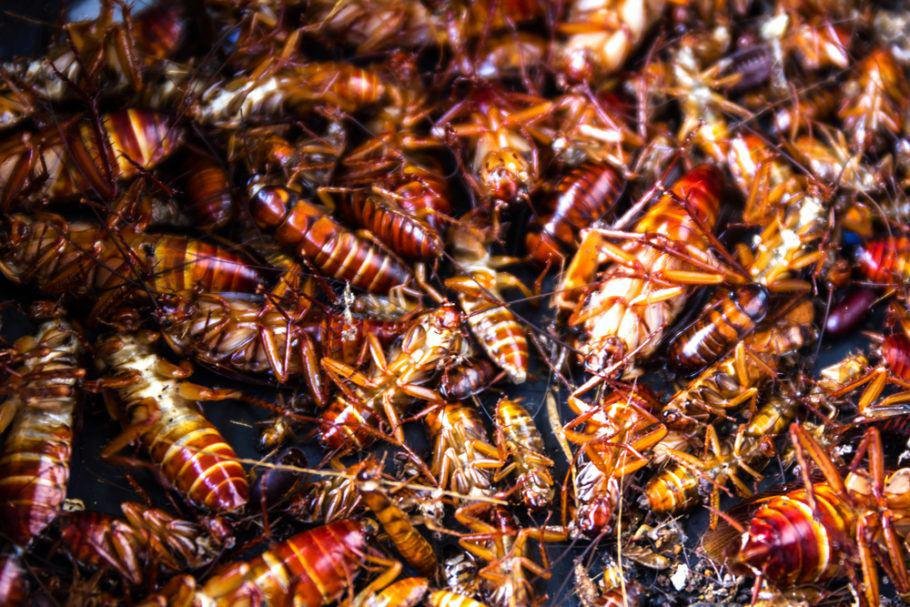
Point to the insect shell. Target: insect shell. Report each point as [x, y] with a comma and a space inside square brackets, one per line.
[147, 394]
[520, 438]
[35, 460]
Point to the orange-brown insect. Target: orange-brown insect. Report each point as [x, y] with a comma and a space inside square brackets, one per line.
[825, 529]
[885, 261]
[520, 440]
[624, 315]
[372, 26]
[314, 567]
[316, 237]
[588, 127]
[147, 394]
[432, 341]
[460, 442]
[407, 592]
[79, 157]
[478, 286]
[582, 197]
[402, 232]
[448, 598]
[875, 103]
[207, 187]
[35, 461]
[144, 540]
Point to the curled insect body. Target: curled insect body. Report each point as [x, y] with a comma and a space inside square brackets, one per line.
[317, 238]
[38, 410]
[478, 286]
[582, 197]
[208, 191]
[520, 439]
[497, 539]
[13, 581]
[145, 539]
[432, 341]
[762, 175]
[402, 232]
[624, 315]
[601, 35]
[314, 567]
[613, 590]
[459, 572]
[825, 529]
[148, 394]
[512, 56]
[79, 157]
[875, 107]
[78, 259]
[460, 446]
[503, 125]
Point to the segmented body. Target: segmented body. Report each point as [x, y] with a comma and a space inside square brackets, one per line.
[190, 452]
[458, 462]
[466, 380]
[13, 581]
[35, 461]
[147, 538]
[582, 197]
[886, 261]
[614, 327]
[408, 592]
[75, 158]
[316, 237]
[896, 352]
[521, 440]
[402, 232]
[207, 187]
[876, 106]
[447, 598]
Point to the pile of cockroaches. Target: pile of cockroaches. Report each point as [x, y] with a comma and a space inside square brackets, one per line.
[321, 204]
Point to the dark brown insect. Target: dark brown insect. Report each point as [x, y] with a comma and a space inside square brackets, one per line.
[468, 379]
[207, 189]
[13, 582]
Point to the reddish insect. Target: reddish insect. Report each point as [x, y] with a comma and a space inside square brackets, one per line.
[148, 395]
[38, 410]
[885, 261]
[207, 187]
[14, 585]
[402, 232]
[468, 379]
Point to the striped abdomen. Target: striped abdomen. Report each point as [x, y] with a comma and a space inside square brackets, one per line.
[896, 352]
[454, 428]
[791, 545]
[469, 378]
[208, 191]
[311, 568]
[400, 231]
[447, 598]
[523, 443]
[582, 197]
[323, 242]
[672, 489]
[729, 318]
[35, 461]
[886, 261]
[13, 581]
[65, 161]
[191, 453]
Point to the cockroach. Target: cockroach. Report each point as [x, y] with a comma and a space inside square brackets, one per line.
[591, 128]
[148, 394]
[625, 315]
[818, 43]
[519, 438]
[317, 238]
[763, 176]
[122, 50]
[467, 379]
[405, 234]
[406, 592]
[601, 35]
[460, 440]
[79, 259]
[827, 154]
[478, 286]
[613, 590]
[448, 598]
[14, 585]
[497, 539]
[514, 56]
[583, 196]
[278, 482]
[371, 26]
[504, 166]
[207, 187]
[145, 539]
[885, 261]
[825, 529]
[329, 498]
[432, 341]
[728, 320]
[459, 573]
[35, 460]
[895, 351]
[410, 544]
[314, 567]
[875, 102]
[77, 157]
[850, 310]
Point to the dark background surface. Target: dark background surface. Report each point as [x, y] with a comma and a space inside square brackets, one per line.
[25, 28]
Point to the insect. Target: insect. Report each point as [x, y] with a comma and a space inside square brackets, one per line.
[850, 310]
[460, 441]
[431, 342]
[855, 514]
[328, 498]
[405, 234]
[885, 261]
[79, 259]
[149, 396]
[144, 540]
[601, 35]
[612, 591]
[875, 102]
[80, 157]
[583, 196]
[448, 598]
[497, 539]
[406, 592]
[317, 238]
[494, 325]
[370, 26]
[467, 379]
[207, 189]
[314, 567]
[518, 437]
[14, 586]
[623, 317]
[38, 411]
[593, 128]
[504, 167]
